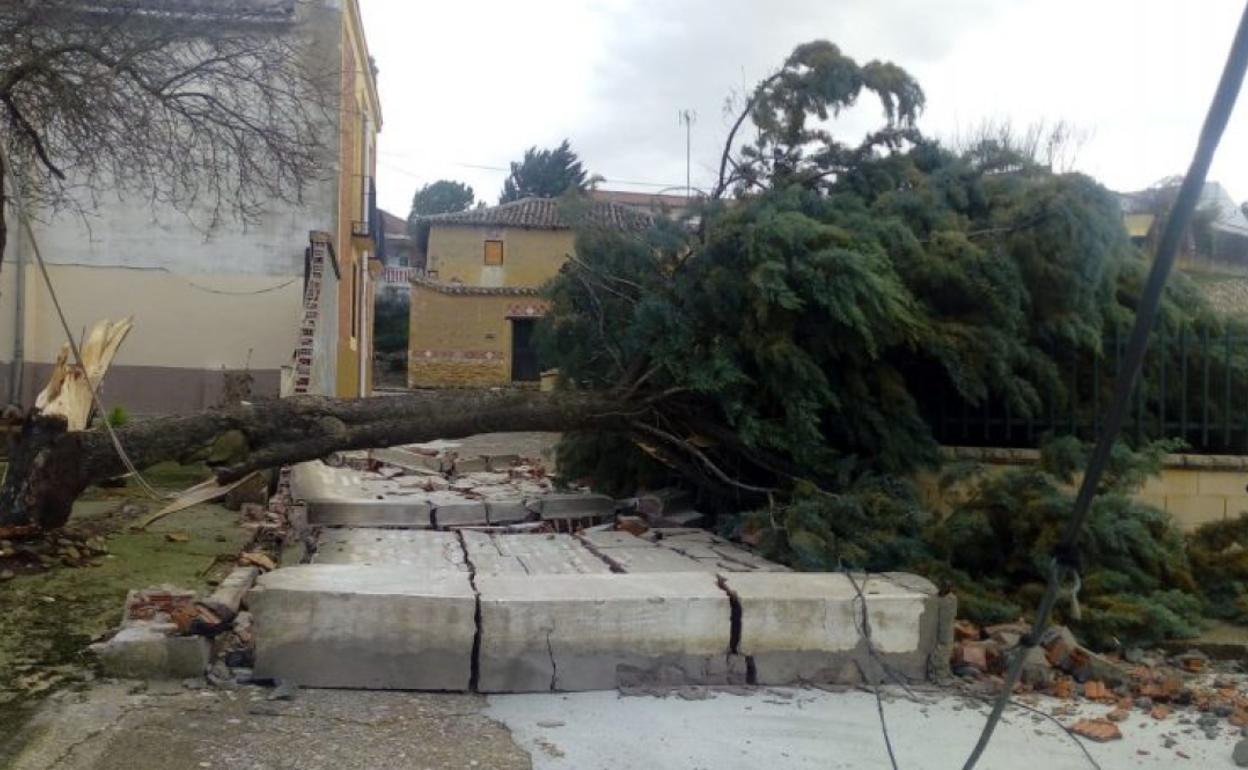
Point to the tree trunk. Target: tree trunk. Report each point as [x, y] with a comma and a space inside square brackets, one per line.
[49, 467]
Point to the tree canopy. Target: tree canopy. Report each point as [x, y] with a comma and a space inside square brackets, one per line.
[441, 197]
[546, 173]
[212, 110]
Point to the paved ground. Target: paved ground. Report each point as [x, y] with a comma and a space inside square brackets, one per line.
[788, 728]
[110, 728]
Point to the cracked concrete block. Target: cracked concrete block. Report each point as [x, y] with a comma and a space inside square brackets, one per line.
[420, 549]
[462, 513]
[407, 459]
[742, 560]
[367, 627]
[594, 632]
[486, 558]
[572, 505]
[551, 554]
[600, 539]
[648, 558]
[804, 627]
[343, 497]
[505, 511]
[146, 651]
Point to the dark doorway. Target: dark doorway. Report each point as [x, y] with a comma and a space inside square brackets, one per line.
[524, 366]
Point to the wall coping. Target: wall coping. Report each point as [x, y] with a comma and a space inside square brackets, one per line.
[1007, 456]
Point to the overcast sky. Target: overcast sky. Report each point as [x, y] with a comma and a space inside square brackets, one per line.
[467, 85]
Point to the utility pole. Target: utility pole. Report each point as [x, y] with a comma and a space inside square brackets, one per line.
[17, 365]
[688, 117]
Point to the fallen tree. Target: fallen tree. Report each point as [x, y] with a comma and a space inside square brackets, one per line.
[50, 466]
[775, 354]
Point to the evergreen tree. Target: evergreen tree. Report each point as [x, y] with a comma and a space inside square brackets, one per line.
[441, 197]
[545, 174]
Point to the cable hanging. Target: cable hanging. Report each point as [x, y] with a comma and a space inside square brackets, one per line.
[1066, 553]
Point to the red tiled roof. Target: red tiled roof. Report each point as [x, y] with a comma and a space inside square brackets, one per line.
[548, 214]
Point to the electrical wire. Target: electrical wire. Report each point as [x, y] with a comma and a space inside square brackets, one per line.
[73, 343]
[901, 681]
[863, 623]
[1066, 556]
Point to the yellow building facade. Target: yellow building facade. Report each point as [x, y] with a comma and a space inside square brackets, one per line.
[358, 262]
[474, 312]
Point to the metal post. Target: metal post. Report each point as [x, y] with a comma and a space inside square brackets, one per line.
[17, 366]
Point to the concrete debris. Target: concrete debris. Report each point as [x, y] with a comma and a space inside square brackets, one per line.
[1240, 753]
[151, 650]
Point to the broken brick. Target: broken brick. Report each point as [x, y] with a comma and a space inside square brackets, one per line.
[1099, 730]
[974, 654]
[1159, 712]
[1118, 715]
[965, 630]
[1096, 690]
[257, 559]
[1063, 688]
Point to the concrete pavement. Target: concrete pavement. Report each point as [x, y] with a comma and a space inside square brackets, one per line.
[112, 727]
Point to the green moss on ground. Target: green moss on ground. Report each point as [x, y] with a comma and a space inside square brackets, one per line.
[48, 617]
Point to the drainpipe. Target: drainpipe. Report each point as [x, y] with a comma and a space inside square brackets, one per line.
[19, 306]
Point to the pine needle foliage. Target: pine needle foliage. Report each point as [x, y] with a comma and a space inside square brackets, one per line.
[776, 349]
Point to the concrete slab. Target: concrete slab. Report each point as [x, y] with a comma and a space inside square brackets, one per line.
[506, 511]
[486, 558]
[648, 558]
[599, 539]
[363, 626]
[803, 627]
[408, 460]
[340, 497]
[551, 554]
[427, 551]
[587, 632]
[743, 560]
[572, 506]
[462, 513]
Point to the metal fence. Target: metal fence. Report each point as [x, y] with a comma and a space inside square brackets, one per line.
[1193, 387]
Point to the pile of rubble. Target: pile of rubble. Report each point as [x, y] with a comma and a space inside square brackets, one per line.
[434, 486]
[1188, 687]
[64, 548]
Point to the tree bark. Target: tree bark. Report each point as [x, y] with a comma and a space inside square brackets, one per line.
[49, 467]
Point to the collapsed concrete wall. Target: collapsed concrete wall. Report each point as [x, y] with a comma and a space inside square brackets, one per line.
[428, 610]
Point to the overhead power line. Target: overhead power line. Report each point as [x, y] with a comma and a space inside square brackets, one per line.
[484, 167]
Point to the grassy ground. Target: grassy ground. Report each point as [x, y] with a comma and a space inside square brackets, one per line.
[48, 615]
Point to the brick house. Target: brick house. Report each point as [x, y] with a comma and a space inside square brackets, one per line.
[474, 310]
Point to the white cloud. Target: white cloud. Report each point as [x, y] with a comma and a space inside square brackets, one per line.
[474, 83]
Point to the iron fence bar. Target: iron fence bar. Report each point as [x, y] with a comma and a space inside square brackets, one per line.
[1183, 384]
[1074, 392]
[1096, 392]
[1226, 396]
[1161, 380]
[1204, 405]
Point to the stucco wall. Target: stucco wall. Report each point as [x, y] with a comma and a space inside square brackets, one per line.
[1193, 489]
[462, 339]
[183, 324]
[203, 298]
[530, 257]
